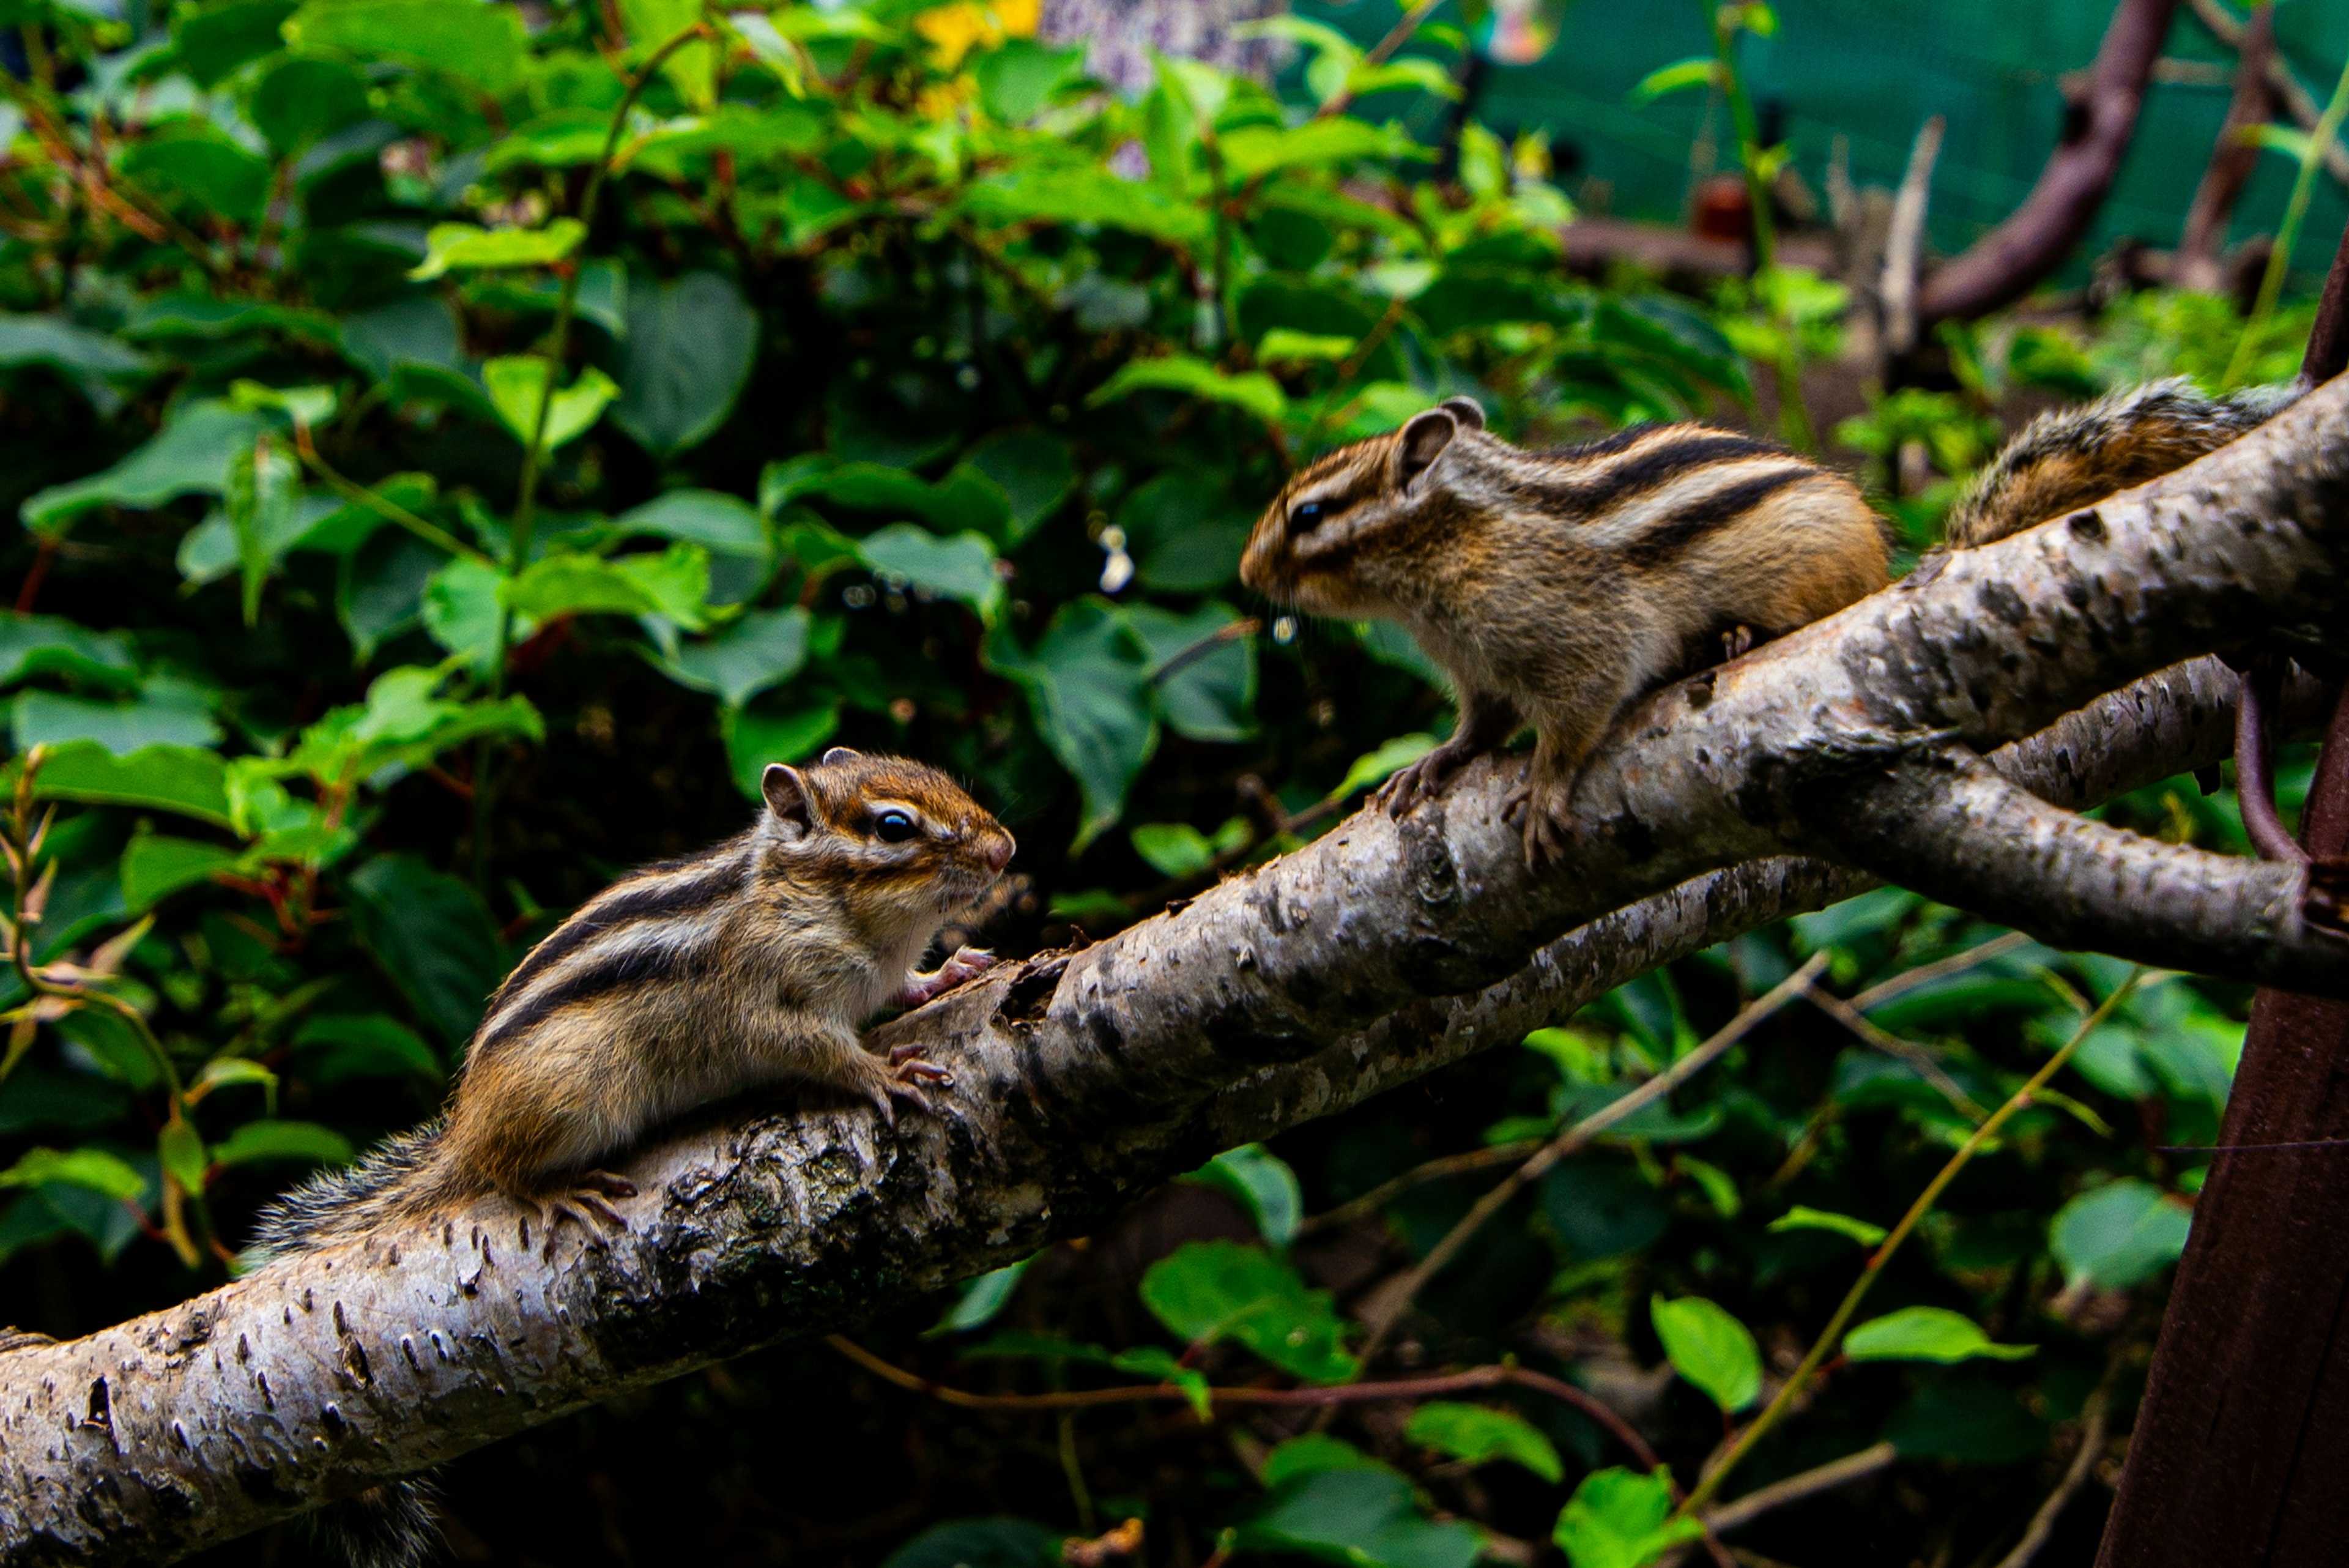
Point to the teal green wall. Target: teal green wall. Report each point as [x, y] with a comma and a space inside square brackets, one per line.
[1872, 70]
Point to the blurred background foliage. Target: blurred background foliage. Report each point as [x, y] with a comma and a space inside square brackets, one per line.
[457, 445]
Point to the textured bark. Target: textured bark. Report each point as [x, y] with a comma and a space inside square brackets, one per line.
[1083, 1079]
[2243, 1438]
[2005, 263]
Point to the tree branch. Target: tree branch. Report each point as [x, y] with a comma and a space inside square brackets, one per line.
[2003, 265]
[1382, 951]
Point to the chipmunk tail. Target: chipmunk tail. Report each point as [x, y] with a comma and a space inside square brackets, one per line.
[2065, 459]
[393, 1525]
[395, 1178]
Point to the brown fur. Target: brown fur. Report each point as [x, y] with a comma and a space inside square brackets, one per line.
[1554, 587]
[752, 964]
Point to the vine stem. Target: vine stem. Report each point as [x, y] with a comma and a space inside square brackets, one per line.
[1831, 1336]
[1794, 414]
[525, 517]
[2295, 209]
[382, 506]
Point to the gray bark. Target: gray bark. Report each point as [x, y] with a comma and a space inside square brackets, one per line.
[1379, 952]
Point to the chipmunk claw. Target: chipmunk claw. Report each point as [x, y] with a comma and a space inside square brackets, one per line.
[968, 964]
[1549, 822]
[585, 1202]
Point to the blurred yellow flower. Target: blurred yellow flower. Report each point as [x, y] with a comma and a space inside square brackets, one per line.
[955, 30]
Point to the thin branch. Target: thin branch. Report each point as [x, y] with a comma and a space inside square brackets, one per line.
[2083, 1466]
[2297, 100]
[2234, 158]
[1386, 1192]
[1904, 244]
[1907, 1051]
[1577, 1137]
[1809, 1483]
[1832, 1335]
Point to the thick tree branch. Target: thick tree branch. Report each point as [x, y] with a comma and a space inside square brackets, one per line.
[1381, 952]
[2003, 265]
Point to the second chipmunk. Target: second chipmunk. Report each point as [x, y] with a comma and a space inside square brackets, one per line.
[1554, 587]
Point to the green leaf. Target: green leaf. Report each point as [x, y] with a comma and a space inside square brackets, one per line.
[1973, 1421]
[190, 456]
[51, 645]
[212, 43]
[691, 344]
[1311, 1453]
[432, 937]
[1694, 72]
[693, 69]
[961, 567]
[181, 1150]
[1263, 1184]
[1206, 689]
[52, 341]
[721, 523]
[192, 163]
[1711, 1349]
[275, 1142]
[1259, 150]
[1376, 767]
[1800, 1218]
[1173, 849]
[2119, 1235]
[461, 604]
[92, 1169]
[155, 866]
[1927, 1333]
[763, 649]
[757, 735]
[1473, 1433]
[1017, 80]
[167, 713]
[518, 381]
[1222, 1290]
[1034, 471]
[1283, 346]
[302, 98]
[1084, 193]
[1254, 392]
[1364, 1517]
[983, 1299]
[1602, 1209]
[335, 1046]
[482, 44]
[980, 1543]
[1088, 686]
[675, 583]
[449, 246]
[264, 484]
[162, 778]
[1620, 1518]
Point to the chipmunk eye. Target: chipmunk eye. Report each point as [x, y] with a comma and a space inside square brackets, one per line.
[895, 827]
[1306, 516]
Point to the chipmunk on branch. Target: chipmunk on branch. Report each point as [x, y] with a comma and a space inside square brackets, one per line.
[750, 964]
[1554, 587]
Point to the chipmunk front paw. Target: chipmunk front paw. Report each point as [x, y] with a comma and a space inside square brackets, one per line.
[968, 964]
[1423, 780]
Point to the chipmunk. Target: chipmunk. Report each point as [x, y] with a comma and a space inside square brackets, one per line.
[749, 964]
[1555, 587]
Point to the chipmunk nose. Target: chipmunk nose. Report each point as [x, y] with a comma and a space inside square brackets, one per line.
[998, 850]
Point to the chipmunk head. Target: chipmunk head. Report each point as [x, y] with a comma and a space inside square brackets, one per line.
[908, 840]
[1385, 497]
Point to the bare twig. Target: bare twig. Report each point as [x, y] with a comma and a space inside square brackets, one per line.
[2083, 1466]
[2232, 159]
[1904, 245]
[2297, 100]
[1809, 1483]
[1891, 1044]
[1577, 1136]
[1908, 979]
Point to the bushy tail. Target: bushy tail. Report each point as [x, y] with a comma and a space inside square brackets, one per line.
[388, 1526]
[396, 1177]
[2063, 461]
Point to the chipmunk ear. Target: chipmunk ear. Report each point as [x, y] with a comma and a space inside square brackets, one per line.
[788, 797]
[1467, 411]
[839, 754]
[1423, 442]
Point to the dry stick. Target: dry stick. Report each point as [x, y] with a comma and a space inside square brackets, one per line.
[1904, 245]
[1470, 1382]
[1476, 1159]
[1915, 1057]
[1908, 979]
[1833, 1334]
[1577, 1136]
[1795, 1488]
[2084, 1464]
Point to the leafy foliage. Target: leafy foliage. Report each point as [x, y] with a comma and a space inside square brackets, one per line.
[459, 446]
